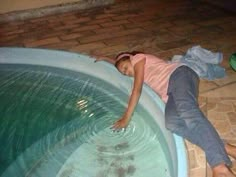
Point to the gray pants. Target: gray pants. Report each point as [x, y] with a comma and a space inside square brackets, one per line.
[184, 117]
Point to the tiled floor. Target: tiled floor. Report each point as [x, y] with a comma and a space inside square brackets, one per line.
[164, 28]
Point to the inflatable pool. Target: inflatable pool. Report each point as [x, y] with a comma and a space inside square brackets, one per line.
[57, 109]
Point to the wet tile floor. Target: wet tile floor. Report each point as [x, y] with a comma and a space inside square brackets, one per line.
[163, 28]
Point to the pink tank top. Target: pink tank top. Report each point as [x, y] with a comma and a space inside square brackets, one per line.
[156, 73]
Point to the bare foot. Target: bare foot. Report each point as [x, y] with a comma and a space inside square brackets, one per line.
[231, 150]
[222, 171]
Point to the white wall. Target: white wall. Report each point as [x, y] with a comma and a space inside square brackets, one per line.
[7, 6]
[17, 5]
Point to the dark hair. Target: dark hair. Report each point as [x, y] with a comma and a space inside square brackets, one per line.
[125, 57]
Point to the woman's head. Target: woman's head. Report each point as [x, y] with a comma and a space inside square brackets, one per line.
[123, 63]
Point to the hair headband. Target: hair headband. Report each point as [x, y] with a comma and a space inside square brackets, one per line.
[123, 55]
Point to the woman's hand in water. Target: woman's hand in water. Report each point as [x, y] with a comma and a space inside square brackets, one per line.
[121, 123]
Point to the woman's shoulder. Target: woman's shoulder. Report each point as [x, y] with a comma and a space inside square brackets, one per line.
[153, 58]
[149, 57]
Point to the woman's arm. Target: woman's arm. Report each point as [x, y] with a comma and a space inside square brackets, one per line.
[134, 98]
[103, 58]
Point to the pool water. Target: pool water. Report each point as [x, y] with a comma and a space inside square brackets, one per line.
[57, 122]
